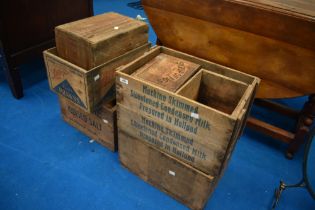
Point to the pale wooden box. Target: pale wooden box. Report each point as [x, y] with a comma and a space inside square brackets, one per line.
[93, 41]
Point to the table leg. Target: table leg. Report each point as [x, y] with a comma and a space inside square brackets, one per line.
[12, 75]
[304, 123]
[15, 83]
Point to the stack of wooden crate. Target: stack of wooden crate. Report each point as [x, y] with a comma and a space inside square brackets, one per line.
[179, 116]
[178, 119]
[81, 70]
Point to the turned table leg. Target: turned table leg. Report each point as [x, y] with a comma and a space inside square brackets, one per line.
[12, 75]
[15, 83]
[304, 123]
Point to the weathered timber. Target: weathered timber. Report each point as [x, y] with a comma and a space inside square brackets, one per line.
[271, 39]
[167, 71]
[100, 126]
[170, 175]
[96, 40]
[86, 88]
[198, 123]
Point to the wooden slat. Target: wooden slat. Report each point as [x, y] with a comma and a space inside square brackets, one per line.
[270, 130]
[277, 107]
[234, 138]
[179, 180]
[202, 152]
[100, 126]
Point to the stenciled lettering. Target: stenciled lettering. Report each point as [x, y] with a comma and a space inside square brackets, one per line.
[163, 137]
[85, 118]
[152, 92]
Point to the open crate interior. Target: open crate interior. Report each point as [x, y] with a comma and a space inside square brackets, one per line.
[214, 90]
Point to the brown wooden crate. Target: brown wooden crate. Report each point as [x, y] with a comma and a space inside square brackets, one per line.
[179, 180]
[85, 88]
[95, 40]
[100, 126]
[211, 126]
[167, 71]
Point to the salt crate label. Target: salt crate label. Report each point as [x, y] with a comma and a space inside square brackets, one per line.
[86, 119]
[64, 88]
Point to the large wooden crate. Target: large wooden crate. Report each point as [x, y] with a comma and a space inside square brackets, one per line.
[199, 123]
[178, 179]
[93, 41]
[84, 87]
[100, 126]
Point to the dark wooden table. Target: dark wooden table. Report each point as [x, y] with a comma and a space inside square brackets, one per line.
[27, 28]
[271, 39]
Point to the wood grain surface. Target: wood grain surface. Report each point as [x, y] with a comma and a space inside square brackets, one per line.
[274, 44]
[85, 88]
[184, 124]
[92, 41]
[100, 126]
[167, 71]
[179, 180]
[301, 8]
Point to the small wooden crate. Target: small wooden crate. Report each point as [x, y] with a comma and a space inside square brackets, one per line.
[100, 126]
[93, 41]
[199, 123]
[85, 88]
[181, 181]
[167, 71]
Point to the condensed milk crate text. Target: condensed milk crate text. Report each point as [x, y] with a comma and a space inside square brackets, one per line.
[170, 175]
[86, 88]
[199, 123]
[100, 126]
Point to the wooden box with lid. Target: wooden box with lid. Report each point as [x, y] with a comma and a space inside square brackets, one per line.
[93, 41]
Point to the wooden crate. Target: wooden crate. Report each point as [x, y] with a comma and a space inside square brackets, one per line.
[167, 71]
[100, 126]
[84, 87]
[199, 123]
[93, 41]
[176, 178]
